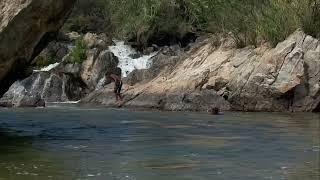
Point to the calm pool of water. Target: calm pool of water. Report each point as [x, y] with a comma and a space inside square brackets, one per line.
[106, 144]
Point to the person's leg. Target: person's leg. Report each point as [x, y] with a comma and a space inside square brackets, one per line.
[119, 91]
[120, 96]
[117, 98]
[116, 93]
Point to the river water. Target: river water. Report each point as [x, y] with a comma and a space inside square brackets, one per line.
[108, 144]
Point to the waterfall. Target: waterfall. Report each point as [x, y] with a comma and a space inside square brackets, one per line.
[47, 68]
[126, 62]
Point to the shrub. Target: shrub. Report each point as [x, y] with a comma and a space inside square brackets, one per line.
[146, 21]
[78, 54]
[45, 60]
[89, 16]
[311, 18]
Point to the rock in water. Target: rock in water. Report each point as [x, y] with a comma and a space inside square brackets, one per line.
[42, 87]
[25, 28]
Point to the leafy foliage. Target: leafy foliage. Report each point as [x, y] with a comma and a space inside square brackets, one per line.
[78, 54]
[45, 60]
[247, 20]
[89, 16]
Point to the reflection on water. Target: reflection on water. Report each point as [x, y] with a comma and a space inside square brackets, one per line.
[78, 143]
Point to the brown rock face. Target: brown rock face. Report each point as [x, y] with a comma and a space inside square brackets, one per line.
[25, 28]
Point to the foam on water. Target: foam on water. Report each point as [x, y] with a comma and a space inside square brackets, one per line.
[48, 68]
[127, 63]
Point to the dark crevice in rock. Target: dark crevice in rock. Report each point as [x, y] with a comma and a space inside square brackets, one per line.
[225, 97]
[161, 104]
[48, 37]
[284, 60]
[289, 98]
[72, 89]
[162, 39]
[17, 73]
[317, 109]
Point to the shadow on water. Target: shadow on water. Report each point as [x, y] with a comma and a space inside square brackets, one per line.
[21, 160]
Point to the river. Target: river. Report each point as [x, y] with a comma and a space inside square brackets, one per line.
[66, 143]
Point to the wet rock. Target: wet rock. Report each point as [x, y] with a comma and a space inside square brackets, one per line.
[42, 87]
[135, 56]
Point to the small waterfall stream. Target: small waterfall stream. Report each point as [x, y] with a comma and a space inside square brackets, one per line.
[125, 54]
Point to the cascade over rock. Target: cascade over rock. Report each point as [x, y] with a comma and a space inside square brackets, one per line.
[65, 80]
[25, 28]
[42, 87]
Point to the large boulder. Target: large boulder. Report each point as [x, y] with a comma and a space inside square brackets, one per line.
[101, 41]
[164, 61]
[25, 28]
[42, 87]
[96, 65]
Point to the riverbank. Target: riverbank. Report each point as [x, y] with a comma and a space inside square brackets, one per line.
[215, 73]
[211, 72]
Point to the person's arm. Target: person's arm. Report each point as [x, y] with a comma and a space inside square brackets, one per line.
[116, 78]
[113, 78]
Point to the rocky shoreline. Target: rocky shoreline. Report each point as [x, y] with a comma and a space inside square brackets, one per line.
[285, 78]
[210, 72]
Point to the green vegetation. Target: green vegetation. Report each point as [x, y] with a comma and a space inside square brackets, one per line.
[78, 54]
[89, 16]
[45, 60]
[149, 21]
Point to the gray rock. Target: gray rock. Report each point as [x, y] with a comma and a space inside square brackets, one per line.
[25, 27]
[68, 68]
[97, 64]
[284, 78]
[100, 41]
[55, 50]
[42, 87]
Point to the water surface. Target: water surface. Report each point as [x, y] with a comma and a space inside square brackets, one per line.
[106, 144]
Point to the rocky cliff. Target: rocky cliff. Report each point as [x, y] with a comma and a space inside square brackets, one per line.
[216, 73]
[25, 28]
[65, 80]
[212, 72]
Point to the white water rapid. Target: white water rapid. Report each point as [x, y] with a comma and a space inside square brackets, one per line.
[126, 62]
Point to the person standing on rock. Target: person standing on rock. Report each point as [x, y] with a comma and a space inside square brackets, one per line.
[117, 85]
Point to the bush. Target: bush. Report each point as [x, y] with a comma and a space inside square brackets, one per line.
[311, 18]
[89, 16]
[156, 21]
[45, 60]
[78, 54]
